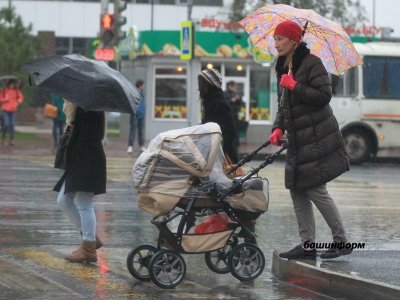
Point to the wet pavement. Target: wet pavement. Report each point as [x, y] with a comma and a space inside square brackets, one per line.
[35, 236]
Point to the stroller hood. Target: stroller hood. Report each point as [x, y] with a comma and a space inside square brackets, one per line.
[177, 161]
[176, 153]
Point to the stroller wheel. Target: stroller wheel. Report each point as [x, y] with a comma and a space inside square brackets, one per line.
[138, 261]
[246, 262]
[167, 269]
[217, 261]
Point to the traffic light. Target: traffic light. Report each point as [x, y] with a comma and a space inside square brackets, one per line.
[107, 34]
[119, 7]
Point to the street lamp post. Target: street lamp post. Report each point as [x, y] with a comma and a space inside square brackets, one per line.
[189, 9]
[373, 17]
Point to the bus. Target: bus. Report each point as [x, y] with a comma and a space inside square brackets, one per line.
[366, 101]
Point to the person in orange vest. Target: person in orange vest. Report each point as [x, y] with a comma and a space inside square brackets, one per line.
[10, 98]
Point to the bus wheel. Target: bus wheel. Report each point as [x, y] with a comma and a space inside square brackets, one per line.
[357, 145]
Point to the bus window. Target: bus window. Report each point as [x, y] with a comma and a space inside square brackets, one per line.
[381, 75]
[337, 85]
[345, 85]
[351, 82]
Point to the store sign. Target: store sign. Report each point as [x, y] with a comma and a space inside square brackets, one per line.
[186, 40]
[219, 24]
[208, 44]
[364, 31]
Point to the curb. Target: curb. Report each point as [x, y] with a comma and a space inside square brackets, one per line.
[330, 283]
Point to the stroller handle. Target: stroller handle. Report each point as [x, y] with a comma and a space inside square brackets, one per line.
[249, 156]
[237, 183]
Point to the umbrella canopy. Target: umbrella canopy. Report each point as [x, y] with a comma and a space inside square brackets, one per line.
[8, 77]
[90, 84]
[325, 38]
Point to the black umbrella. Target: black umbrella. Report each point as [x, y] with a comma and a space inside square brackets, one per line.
[90, 84]
[8, 77]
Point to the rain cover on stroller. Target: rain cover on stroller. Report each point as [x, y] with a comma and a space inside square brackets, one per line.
[181, 164]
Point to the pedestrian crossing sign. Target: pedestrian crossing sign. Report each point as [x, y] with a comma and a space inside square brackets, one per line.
[186, 40]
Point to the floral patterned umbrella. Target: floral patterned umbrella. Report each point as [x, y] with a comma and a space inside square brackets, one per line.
[325, 38]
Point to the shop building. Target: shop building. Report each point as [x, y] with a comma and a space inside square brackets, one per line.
[172, 98]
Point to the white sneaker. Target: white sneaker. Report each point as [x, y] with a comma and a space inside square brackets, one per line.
[143, 148]
[130, 149]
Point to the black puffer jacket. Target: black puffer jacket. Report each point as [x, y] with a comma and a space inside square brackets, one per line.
[85, 163]
[217, 110]
[316, 151]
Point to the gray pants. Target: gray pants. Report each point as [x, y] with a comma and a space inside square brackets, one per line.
[305, 215]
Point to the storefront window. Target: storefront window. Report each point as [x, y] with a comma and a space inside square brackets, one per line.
[259, 94]
[235, 70]
[211, 65]
[179, 70]
[170, 93]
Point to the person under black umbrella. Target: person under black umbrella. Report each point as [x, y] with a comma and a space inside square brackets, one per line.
[84, 177]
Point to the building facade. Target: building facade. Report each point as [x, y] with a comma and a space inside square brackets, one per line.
[171, 84]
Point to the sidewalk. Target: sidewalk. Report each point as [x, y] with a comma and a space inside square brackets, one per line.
[365, 274]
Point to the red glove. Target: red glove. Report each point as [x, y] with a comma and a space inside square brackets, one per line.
[276, 136]
[287, 81]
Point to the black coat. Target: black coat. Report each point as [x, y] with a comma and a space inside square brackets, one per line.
[316, 151]
[235, 106]
[85, 162]
[217, 110]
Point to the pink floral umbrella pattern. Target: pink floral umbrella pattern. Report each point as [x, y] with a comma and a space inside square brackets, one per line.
[325, 38]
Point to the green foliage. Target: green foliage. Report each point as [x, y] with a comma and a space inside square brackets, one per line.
[237, 10]
[17, 46]
[27, 136]
[348, 13]
[113, 133]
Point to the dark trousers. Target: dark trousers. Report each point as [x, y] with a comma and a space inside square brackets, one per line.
[9, 119]
[58, 128]
[302, 202]
[136, 124]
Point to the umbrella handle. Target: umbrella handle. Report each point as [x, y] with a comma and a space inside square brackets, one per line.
[304, 29]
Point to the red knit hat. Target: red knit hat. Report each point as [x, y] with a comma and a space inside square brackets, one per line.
[290, 30]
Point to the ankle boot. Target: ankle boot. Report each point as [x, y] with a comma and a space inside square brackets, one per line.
[85, 253]
[99, 243]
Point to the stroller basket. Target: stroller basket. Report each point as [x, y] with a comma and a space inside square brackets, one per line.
[178, 229]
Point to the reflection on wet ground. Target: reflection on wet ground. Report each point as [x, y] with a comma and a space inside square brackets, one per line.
[34, 235]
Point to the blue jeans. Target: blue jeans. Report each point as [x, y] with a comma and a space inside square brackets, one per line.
[58, 128]
[78, 207]
[136, 123]
[9, 119]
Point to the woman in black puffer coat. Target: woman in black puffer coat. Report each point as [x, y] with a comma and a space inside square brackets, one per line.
[316, 153]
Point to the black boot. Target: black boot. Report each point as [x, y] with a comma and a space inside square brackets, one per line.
[335, 252]
[299, 252]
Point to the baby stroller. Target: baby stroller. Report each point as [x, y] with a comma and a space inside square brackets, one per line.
[197, 208]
